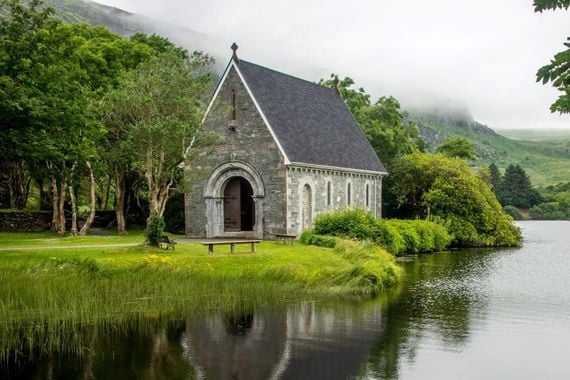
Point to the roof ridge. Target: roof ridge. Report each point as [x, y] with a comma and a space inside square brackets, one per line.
[285, 74]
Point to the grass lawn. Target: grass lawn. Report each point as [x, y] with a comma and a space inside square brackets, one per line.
[52, 289]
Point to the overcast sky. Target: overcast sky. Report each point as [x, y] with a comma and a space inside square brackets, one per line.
[480, 53]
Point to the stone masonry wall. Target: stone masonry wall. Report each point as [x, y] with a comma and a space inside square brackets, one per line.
[29, 221]
[250, 142]
[298, 177]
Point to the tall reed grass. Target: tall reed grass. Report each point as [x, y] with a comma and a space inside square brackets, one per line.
[47, 294]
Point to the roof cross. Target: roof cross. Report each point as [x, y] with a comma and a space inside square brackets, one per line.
[234, 47]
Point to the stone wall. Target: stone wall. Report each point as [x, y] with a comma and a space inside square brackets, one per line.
[29, 221]
[248, 143]
[32, 221]
[317, 180]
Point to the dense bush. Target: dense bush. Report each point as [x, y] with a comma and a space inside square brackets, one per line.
[550, 211]
[310, 238]
[396, 236]
[154, 230]
[513, 212]
[435, 187]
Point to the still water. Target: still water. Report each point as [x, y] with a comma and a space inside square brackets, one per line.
[473, 314]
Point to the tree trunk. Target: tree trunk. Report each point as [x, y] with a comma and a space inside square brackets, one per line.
[53, 195]
[73, 211]
[58, 201]
[61, 211]
[91, 216]
[19, 184]
[120, 202]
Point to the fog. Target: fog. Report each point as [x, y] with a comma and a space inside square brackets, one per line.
[480, 54]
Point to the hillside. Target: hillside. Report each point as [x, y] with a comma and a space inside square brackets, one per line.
[547, 161]
[126, 24]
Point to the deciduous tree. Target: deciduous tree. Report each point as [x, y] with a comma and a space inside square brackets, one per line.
[456, 146]
[159, 106]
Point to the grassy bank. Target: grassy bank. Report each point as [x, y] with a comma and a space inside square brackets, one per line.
[48, 288]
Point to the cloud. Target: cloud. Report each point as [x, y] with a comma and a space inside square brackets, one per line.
[481, 53]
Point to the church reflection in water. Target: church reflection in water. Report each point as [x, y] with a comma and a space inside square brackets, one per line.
[304, 342]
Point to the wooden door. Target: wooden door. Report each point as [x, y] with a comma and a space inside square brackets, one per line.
[232, 205]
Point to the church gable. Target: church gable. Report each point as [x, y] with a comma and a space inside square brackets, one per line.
[234, 115]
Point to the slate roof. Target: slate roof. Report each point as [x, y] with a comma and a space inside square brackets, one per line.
[311, 122]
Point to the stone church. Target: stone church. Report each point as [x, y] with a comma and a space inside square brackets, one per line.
[289, 150]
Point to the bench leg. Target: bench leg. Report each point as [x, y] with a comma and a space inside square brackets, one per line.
[253, 247]
[232, 248]
[210, 249]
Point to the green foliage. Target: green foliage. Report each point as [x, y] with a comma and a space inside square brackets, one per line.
[495, 178]
[556, 202]
[157, 109]
[558, 70]
[513, 212]
[456, 146]
[396, 236]
[310, 238]
[155, 230]
[541, 5]
[550, 211]
[516, 189]
[440, 188]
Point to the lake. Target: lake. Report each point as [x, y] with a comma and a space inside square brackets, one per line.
[466, 314]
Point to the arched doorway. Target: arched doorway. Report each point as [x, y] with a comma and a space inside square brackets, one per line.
[307, 208]
[239, 207]
[233, 188]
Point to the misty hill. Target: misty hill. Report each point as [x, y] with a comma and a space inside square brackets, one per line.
[547, 162]
[126, 24]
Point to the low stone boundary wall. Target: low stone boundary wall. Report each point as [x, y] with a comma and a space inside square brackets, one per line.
[30, 221]
[25, 221]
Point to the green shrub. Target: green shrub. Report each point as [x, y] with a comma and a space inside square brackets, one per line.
[310, 238]
[356, 223]
[536, 213]
[305, 237]
[396, 236]
[154, 230]
[550, 211]
[513, 212]
[389, 237]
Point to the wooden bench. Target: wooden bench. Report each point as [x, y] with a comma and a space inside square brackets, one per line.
[285, 238]
[231, 243]
[166, 242]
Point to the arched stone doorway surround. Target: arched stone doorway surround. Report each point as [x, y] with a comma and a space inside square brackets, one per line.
[214, 197]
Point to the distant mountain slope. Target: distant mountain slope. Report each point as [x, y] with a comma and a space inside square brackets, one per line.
[546, 162]
[126, 24]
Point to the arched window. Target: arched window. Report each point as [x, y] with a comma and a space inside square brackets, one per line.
[367, 196]
[329, 193]
[233, 104]
[348, 194]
